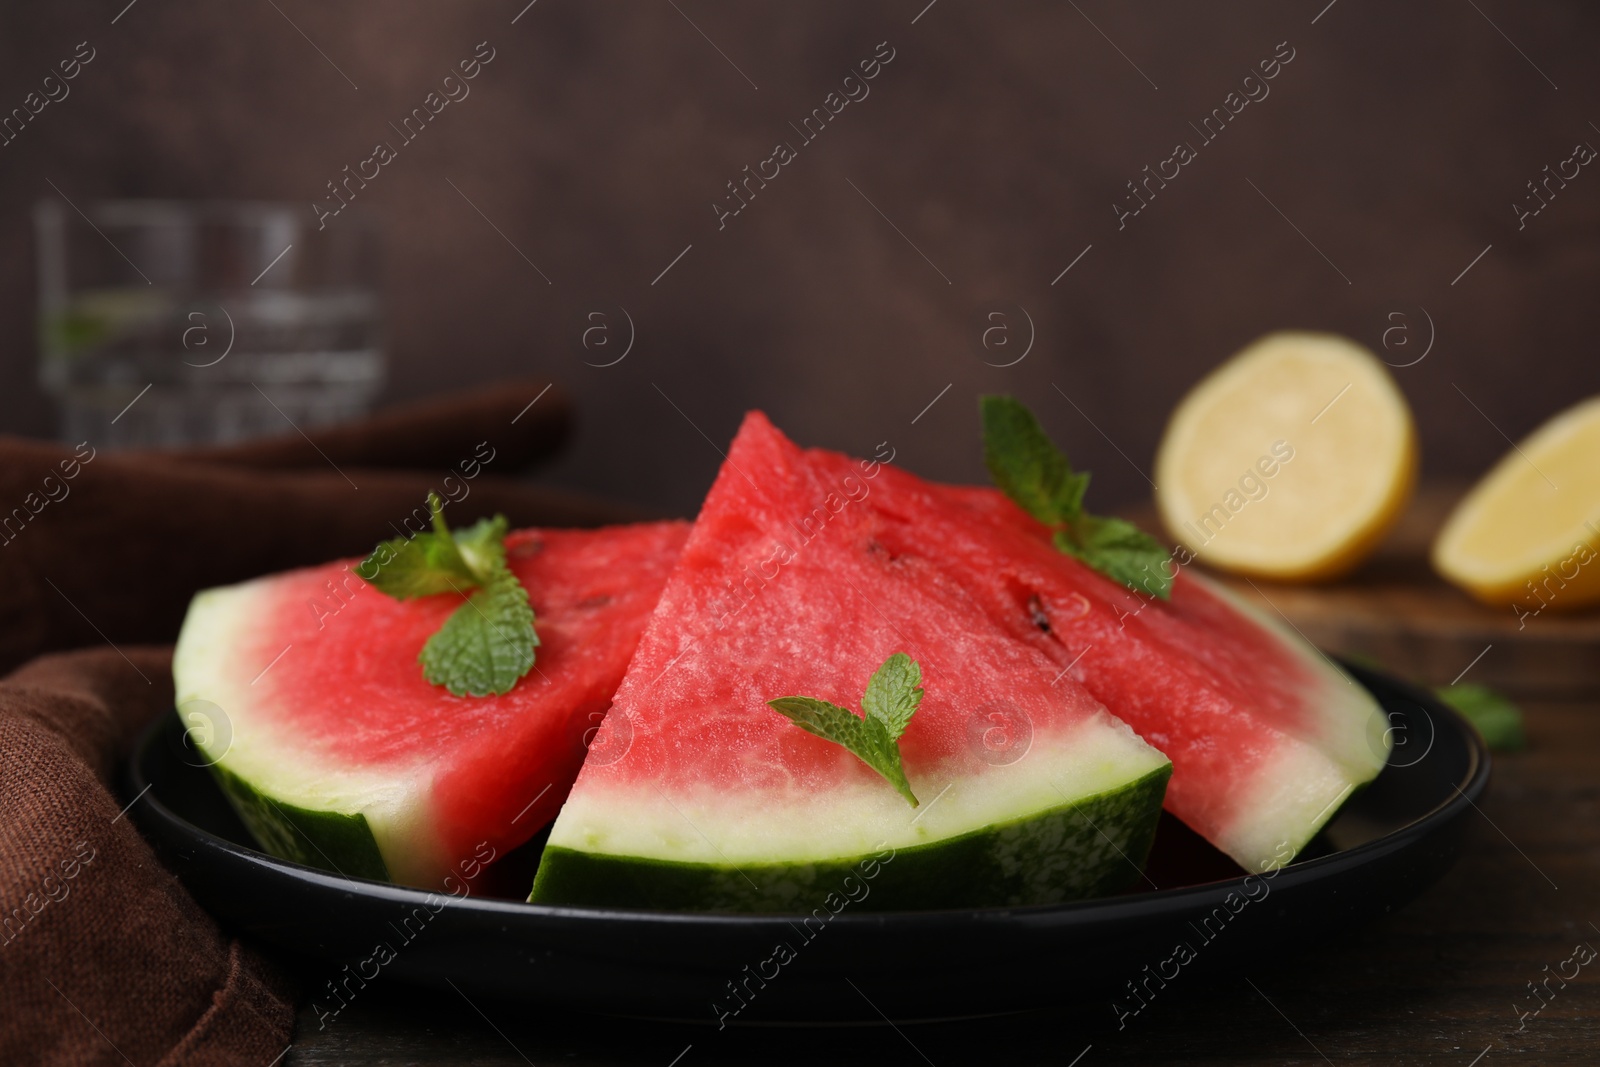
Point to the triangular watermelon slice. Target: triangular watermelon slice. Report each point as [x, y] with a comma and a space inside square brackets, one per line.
[337, 753]
[697, 795]
[1267, 736]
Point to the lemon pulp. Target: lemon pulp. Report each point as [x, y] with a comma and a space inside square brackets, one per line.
[1529, 532]
[1289, 461]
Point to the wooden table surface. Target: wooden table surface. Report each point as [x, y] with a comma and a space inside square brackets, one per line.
[1439, 982]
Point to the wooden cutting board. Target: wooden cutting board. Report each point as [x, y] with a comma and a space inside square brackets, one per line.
[1395, 611]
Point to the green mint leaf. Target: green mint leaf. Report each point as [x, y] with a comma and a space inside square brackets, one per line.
[417, 566]
[891, 699]
[828, 721]
[1496, 718]
[421, 565]
[1026, 464]
[1028, 468]
[885, 757]
[893, 693]
[486, 645]
[482, 544]
[1121, 551]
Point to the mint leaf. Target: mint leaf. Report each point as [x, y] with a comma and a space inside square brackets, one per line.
[486, 645]
[883, 756]
[893, 693]
[1496, 718]
[1028, 468]
[482, 543]
[891, 699]
[828, 721]
[1026, 464]
[1119, 550]
[421, 565]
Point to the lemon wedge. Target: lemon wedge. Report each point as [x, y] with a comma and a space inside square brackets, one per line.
[1290, 461]
[1529, 532]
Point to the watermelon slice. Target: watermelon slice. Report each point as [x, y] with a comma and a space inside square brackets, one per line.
[337, 753]
[699, 796]
[1266, 735]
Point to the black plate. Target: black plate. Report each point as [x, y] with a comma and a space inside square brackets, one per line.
[1386, 845]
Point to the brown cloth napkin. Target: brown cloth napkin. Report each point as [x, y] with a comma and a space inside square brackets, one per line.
[104, 958]
[100, 547]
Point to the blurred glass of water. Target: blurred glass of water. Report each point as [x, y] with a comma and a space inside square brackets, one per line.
[165, 323]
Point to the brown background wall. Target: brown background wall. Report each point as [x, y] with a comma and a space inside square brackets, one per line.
[1397, 140]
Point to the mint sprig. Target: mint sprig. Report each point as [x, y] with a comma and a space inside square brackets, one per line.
[1028, 467]
[892, 696]
[1496, 718]
[486, 645]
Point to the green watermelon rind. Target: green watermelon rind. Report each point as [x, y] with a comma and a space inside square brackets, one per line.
[1093, 846]
[329, 841]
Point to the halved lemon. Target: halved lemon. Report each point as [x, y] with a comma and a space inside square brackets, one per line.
[1289, 461]
[1529, 532]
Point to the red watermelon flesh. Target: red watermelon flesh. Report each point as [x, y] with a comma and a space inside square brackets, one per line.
[1266, 735]
[698, 795]
[340, 755]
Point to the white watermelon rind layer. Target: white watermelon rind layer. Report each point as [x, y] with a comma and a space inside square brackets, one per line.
[322, 813]
[1073, 818]
[1313, 772]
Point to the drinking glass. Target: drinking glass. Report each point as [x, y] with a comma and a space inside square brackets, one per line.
[166, 323]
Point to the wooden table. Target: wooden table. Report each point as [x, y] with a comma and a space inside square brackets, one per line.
[1436, 983]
